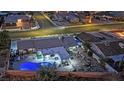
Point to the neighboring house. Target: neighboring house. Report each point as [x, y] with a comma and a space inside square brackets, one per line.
[95, 37]
[72, 18]
[110, 49]
[87, 37]
[118, 14]
[104, 46]
[3, 14]
[16, 21]
[16, 12]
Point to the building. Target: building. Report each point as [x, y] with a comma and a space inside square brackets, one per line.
[118, 34]
[72, 18]
[104, 45]
[47, 45]
[95, 37]
[87, 37]
[17, 22]
[118, 14]
[53, 50]
[110, 49]
[44, 43]
[3, 14]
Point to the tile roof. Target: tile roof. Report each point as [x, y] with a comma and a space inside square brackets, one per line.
[87, 37]
[112, 48]
[43, 43]
[14, 18]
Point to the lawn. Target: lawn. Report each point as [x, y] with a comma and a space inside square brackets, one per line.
[53, 31]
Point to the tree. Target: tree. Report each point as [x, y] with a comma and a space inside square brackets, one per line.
[87, 46]
[4, 38]
[90, 53]
[47, 74]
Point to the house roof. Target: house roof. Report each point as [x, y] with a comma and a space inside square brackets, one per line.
[44, 43]
[69, 41]
[112, 48]
[14, 18]
[24, 44]
[59, 50]
[38, 43]
[117, 14]
[70, 16]
[3, 14]
[87, 37]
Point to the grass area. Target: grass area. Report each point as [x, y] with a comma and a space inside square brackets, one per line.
[52, 31]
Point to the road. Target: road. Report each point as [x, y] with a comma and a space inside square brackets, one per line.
[47, 28]
[44, 23]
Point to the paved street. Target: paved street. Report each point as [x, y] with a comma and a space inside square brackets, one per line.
[43, 22]
[48, 28]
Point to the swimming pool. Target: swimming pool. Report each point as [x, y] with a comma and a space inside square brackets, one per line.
[46, 64]
[30, 66]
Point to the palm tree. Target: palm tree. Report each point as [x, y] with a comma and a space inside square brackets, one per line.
[47, 74]
[87, 46]
[90, 53]
[4, 38]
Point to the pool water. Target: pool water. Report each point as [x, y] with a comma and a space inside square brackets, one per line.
[30, 66]
[46, 64]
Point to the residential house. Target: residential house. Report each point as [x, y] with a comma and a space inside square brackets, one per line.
[17, 22]
[110, 49]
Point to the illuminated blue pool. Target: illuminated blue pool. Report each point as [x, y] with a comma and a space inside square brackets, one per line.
[34, 66]
[29, 66]
[46, 64]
